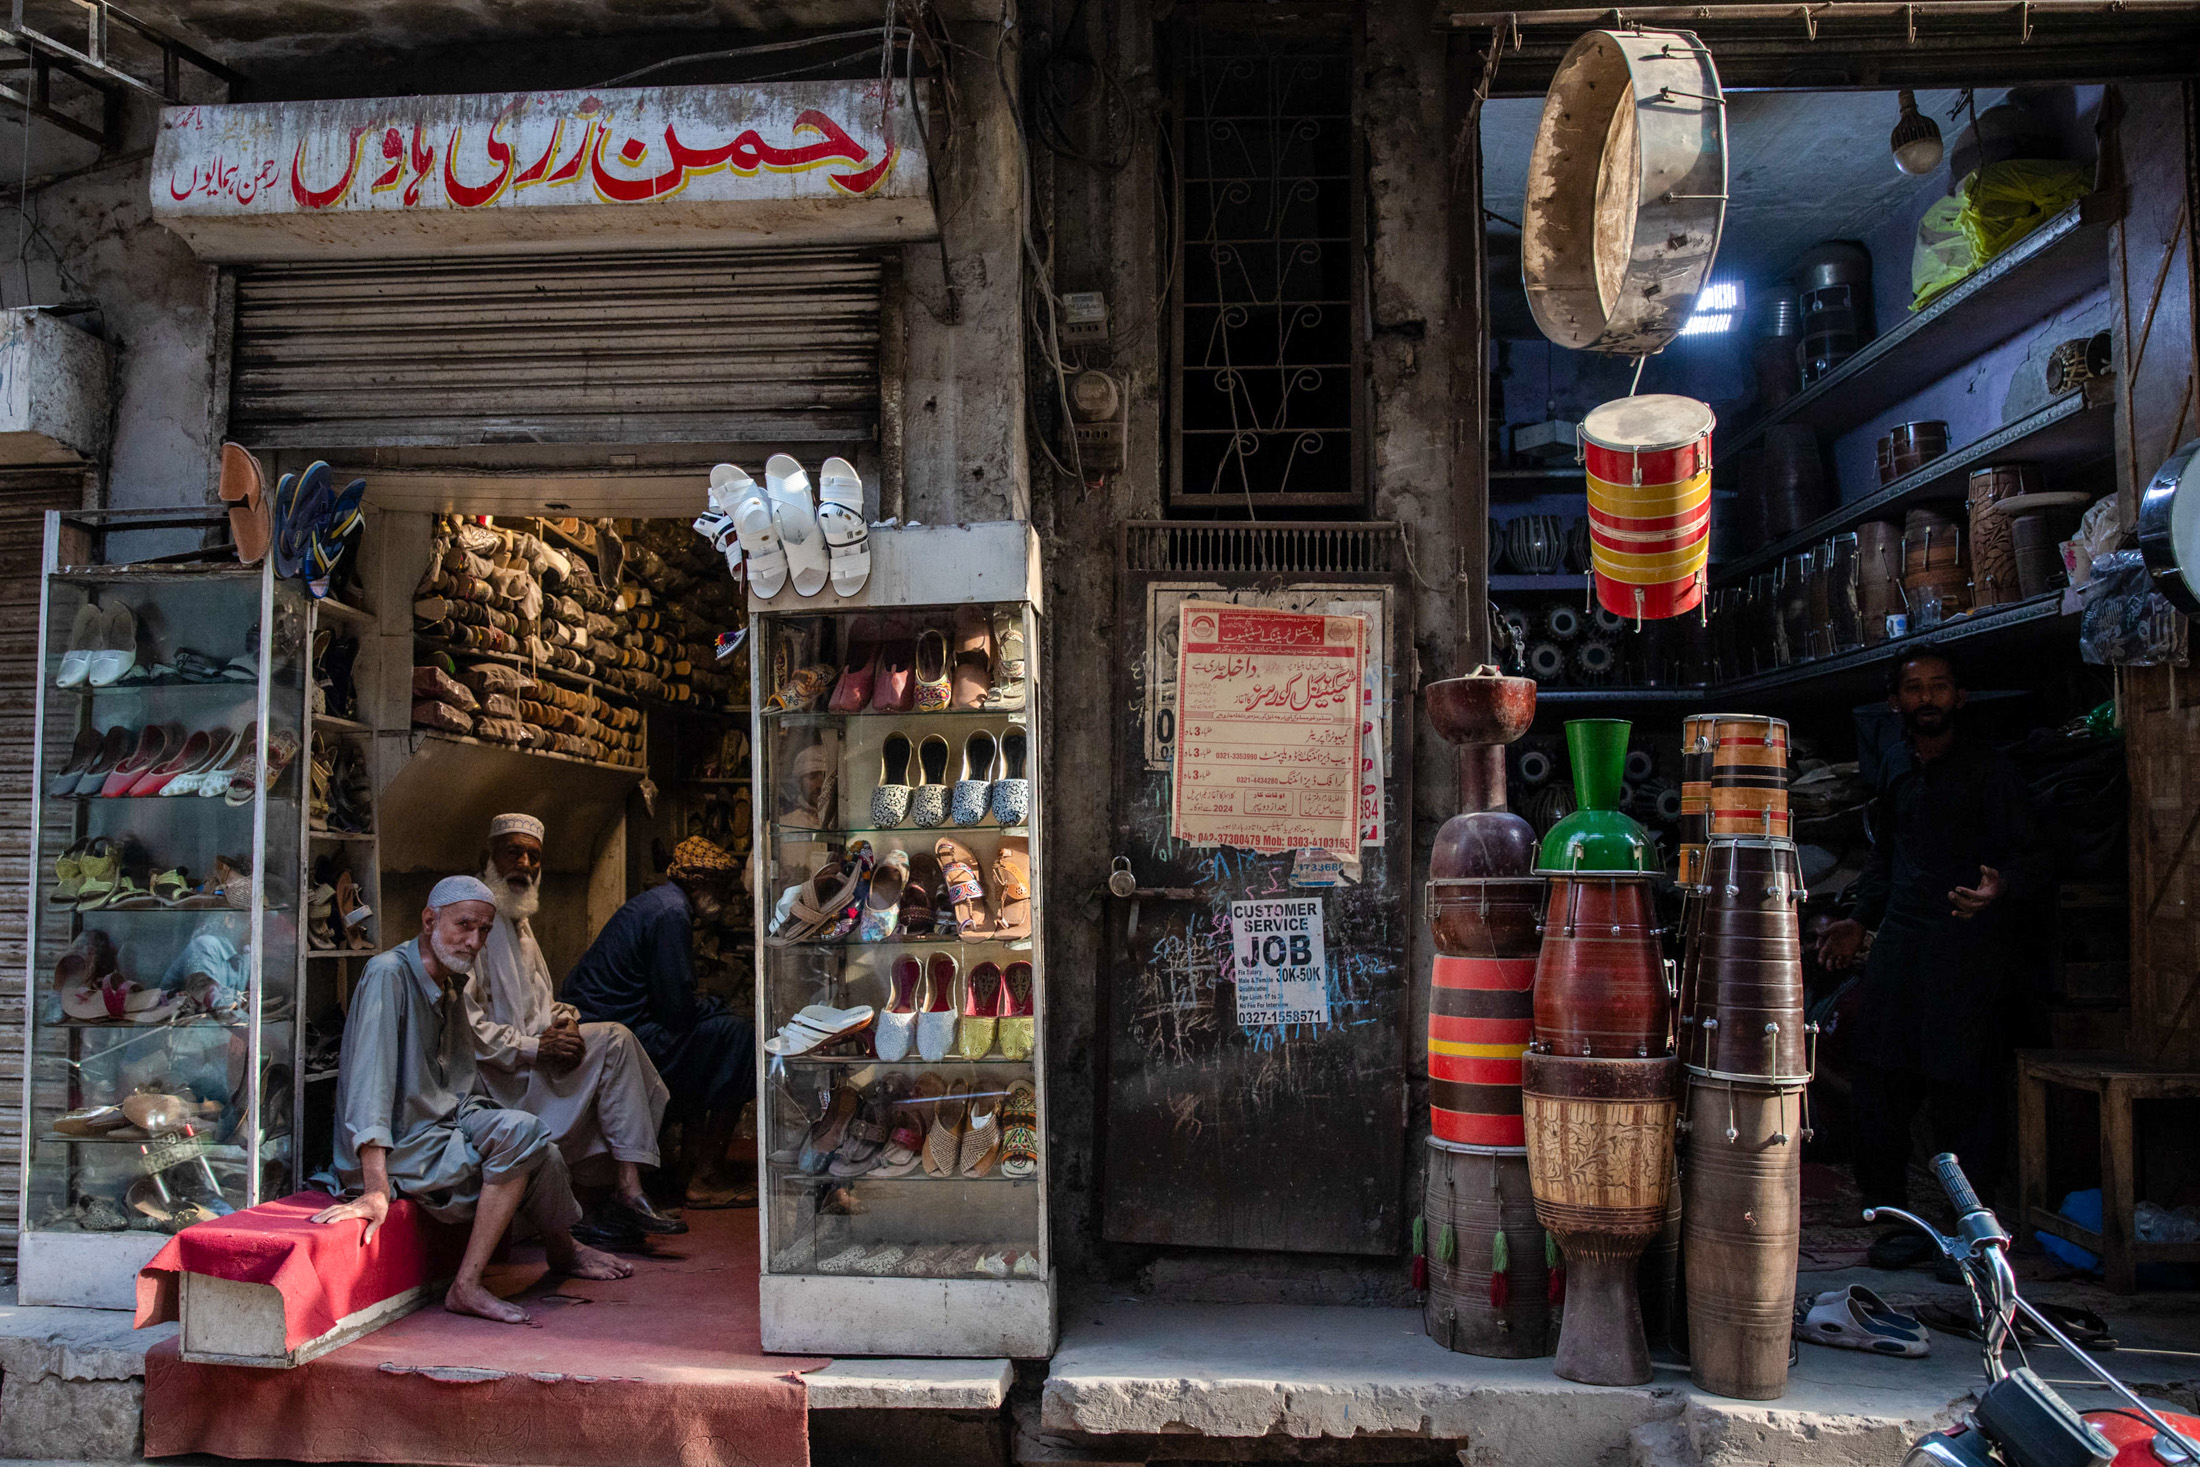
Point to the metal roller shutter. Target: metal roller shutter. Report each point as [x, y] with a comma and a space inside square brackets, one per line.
[718, 347]
[25, 496]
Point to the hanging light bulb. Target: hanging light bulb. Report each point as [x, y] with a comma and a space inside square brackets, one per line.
[1916, 138]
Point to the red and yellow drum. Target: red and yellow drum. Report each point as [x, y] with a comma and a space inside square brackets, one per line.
[1481, 1014]
[1649, 463]
[1733, 782]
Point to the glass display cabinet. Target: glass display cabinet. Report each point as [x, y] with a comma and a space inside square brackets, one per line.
[162, 959]
[901, 978]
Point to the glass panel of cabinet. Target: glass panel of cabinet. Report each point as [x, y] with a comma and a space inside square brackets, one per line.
[163, 951]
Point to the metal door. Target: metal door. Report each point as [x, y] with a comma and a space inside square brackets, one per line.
[1217, 1134]
[724, 346]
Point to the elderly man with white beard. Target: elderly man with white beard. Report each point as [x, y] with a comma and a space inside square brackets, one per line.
[592, 1084]
[408, 1123]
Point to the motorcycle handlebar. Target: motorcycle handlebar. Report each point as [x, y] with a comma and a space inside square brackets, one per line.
[1956, 1185]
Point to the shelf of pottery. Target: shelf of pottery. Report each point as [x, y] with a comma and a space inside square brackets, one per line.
[163, 915]
[554, 636]
[901, 977]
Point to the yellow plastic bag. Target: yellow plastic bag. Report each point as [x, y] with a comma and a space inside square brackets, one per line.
[1992, 209]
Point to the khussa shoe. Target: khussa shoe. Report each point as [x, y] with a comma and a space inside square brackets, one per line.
[943, 1142]
[890, 800]
[85, 632]
[1018, 1026]
[794, 513]
[1012, 791]
[933, 692]
[936, 1014]
[882, 903]
[974, 789]
[858, 667]
[1020, 1131]
[928, 797]
[981, 1141]
[117, 652]
[840, 521]
[897, 1022]
[980, 1012]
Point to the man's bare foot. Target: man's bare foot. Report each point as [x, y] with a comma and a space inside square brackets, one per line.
[583, 1262]
[472, 1298]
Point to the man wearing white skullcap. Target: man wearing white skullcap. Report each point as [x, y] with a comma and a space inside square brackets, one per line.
[409, 1123]
[592, 1084]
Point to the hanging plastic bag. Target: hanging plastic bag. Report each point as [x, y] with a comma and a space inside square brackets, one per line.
[2125, 621]
[1993, 208]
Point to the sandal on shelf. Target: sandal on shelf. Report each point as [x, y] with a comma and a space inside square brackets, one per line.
[244, 490]
[928, 796]
[904, 1151]
[867, 1135]
[170, 887]
[794, 514]
[155, 742]
[1855, 1318]
[916, 901]
[933, 690]
[840, 520]
[816, 904]
[215, 782]
[858, 667]
[191, 755]
[882, 903]
[281, 749]
[82, 752]
[890, 799]
[97, 869]
[850, 916]
[963, 886]
[980, 1012]
[1018, 1025]
[981, 1142]
[817, 1026]
[117, 652]
[824, 1137]
[936, 1015]
[974, 790]
[68, 875]
[1012, 791]
[1009, 689]
[114, 747]
[90, 1120]
[1012, 888]
[896, 689]
[1020, 1131]
[973, 671]
[897, 1022]
[943, 1141]
[129, 896]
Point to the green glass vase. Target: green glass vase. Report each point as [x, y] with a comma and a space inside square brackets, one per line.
[1597, 837]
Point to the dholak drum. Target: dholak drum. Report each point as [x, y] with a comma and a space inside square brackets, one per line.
[1600, 1160]
[1480, 1018]
[1486, 917]
[1485, 1296]
[1738, 765]
[1600, 989]
[1742, 966]
[1741, 1225]
[1649, 483]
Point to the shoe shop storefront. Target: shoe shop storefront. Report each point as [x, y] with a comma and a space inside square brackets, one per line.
[506, 370]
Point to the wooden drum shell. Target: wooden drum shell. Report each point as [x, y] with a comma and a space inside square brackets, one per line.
[1478, 1194]
[1600, 988]
[1733, 782]
[1480, 1017]
[1486, 917]
[1741, 1228]
[1742, 965]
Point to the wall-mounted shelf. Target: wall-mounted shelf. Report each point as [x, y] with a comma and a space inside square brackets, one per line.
[2043, 272]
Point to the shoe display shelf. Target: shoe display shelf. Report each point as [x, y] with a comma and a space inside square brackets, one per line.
[902, 1136]
[163, 957]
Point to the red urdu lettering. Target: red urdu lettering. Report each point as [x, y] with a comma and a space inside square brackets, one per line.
[311, 198]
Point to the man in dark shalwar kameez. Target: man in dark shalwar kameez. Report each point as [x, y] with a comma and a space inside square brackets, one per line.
[409, 1122]
[640, 972]
[1956, 863]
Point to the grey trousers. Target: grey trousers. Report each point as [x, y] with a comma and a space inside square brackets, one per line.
[512, 1143]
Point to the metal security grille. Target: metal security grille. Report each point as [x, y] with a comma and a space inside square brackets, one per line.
[711, 347]
[1266, 401]
[1297, 550]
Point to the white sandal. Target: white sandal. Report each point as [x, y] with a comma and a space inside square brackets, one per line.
[788, 486]
[759, 536]
[1855, 1318]
[814, 1026]
[727, 483]
[840, 517]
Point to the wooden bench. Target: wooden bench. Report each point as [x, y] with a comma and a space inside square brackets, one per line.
[2119, 1081]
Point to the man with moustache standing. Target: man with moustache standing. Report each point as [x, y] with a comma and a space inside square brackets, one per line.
[640, 972]
[1956, 863]
[591, 1084]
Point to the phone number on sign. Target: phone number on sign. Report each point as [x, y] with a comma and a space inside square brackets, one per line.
[1282, 1016]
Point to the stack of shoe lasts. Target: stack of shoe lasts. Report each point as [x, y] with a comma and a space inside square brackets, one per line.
[441, 701]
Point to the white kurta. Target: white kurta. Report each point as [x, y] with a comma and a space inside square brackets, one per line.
[611, 1103]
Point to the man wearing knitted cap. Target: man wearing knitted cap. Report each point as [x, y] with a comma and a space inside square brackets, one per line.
[592, 1084]
[640, 972]
[409, 1123]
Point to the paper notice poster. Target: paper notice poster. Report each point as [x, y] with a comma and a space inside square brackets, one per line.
[1268, 728]
[1279, 961]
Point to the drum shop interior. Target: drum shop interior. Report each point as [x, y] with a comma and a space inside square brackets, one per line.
[1896, 393]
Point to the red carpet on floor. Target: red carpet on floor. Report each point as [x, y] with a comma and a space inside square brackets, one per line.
[666, 1367]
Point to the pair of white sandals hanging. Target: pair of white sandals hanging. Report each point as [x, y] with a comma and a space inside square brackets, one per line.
[782, 534]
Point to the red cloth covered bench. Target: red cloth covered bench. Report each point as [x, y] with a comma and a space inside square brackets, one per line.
[269, 1286]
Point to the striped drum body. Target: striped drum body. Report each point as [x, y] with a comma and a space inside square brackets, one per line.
[1481, 1013]
[1733, 782]
[1649, 482]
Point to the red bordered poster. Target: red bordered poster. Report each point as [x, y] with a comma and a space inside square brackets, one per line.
[1268, 728]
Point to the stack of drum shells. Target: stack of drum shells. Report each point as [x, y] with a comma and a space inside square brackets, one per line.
[1932, 557]
[1742, 1047]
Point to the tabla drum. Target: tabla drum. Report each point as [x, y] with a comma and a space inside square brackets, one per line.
[1600, 987]
[1741, 1001]
[1741, 1230]
[1626, 191]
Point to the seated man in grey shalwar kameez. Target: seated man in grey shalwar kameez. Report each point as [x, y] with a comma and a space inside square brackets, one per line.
[409, 1123]
[592, 1084]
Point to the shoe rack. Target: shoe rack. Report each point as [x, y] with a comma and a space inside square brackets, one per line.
[161, 1037]
[902, 1107]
